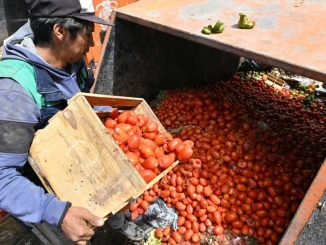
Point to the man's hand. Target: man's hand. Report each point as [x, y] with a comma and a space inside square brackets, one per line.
[79, 224]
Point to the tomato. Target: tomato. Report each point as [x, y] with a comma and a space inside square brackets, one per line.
[208, 191]
[202, 227]
[194, 181]
[188, 143]
[245, 230]
[241, 187]
[181, 220]
[217, 217]
[176, 236]
[237, 224]
[195, 238]
[195, 226]
[145, 151]
[191, 217]
[182, 230]
[188, 235]
[180, 206]
[133, 206]
[144, 205]
[122, 118]
[150, 163]
[166, 230]
[160, 139]
[187, 224]
[133, 142]
[211, 209]
[158, 233]
[120, 135]
[171, 241]
[185, 154]
[110, 123]
[173, 144]
[148, 175]
[134, 214]
[218, 230]
[189, 209]
[214, 199]
[231, 216]
[151, 127]
[166, 160]
[132, 157]
[132, 120]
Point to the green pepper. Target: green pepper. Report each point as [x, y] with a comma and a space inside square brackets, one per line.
[218, 27]
[245, 23]
[206, 31]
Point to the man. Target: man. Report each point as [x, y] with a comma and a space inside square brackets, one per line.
[41, 69]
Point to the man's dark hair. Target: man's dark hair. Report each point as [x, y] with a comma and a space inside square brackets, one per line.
[42, 28]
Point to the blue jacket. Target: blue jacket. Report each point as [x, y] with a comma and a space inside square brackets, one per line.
[20, 117]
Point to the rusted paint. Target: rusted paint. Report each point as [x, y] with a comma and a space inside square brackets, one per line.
[306, 208]
[286, 34]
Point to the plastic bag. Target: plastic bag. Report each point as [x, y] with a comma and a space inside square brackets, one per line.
[159, 214]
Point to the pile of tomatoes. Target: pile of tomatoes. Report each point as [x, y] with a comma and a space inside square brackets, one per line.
[148, 150]
[298, 124]
[245, 176]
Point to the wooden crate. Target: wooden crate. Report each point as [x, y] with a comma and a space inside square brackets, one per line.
[77, 159]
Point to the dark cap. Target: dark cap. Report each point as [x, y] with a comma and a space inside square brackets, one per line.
[80, 9]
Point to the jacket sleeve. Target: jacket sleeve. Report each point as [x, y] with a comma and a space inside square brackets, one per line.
[19, 196]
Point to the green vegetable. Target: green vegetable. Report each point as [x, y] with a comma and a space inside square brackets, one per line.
[206, 30]
[218, 27]
[152, 240]
[245, 23]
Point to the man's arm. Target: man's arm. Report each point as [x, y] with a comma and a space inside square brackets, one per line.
[18, 196]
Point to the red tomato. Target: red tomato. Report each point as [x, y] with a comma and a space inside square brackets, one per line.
[166, 230]
[147, 175]
[231, 216]
[145, 151]
[110, 123]
[188, 235]
[133, 142]
[151, 127]
[218, 230]
[166, 160]
[158, 233]
[180, 206]
[185, 154]
[150, 163]
[132, 120]
[173, 144]
[176, 236]
[217, 217]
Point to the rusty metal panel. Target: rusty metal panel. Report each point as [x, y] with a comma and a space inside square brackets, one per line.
[289, 34]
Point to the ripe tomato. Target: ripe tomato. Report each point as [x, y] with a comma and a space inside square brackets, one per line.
[150, 163]
[147, 174]
[185, 154]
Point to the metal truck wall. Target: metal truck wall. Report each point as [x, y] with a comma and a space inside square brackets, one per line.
[140, 61]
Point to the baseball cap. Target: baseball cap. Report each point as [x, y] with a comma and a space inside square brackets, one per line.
[80, 9]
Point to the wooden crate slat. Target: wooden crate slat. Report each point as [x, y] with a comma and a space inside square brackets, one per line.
[113, 101]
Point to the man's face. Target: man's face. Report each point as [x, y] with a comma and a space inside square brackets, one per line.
[76, 48]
